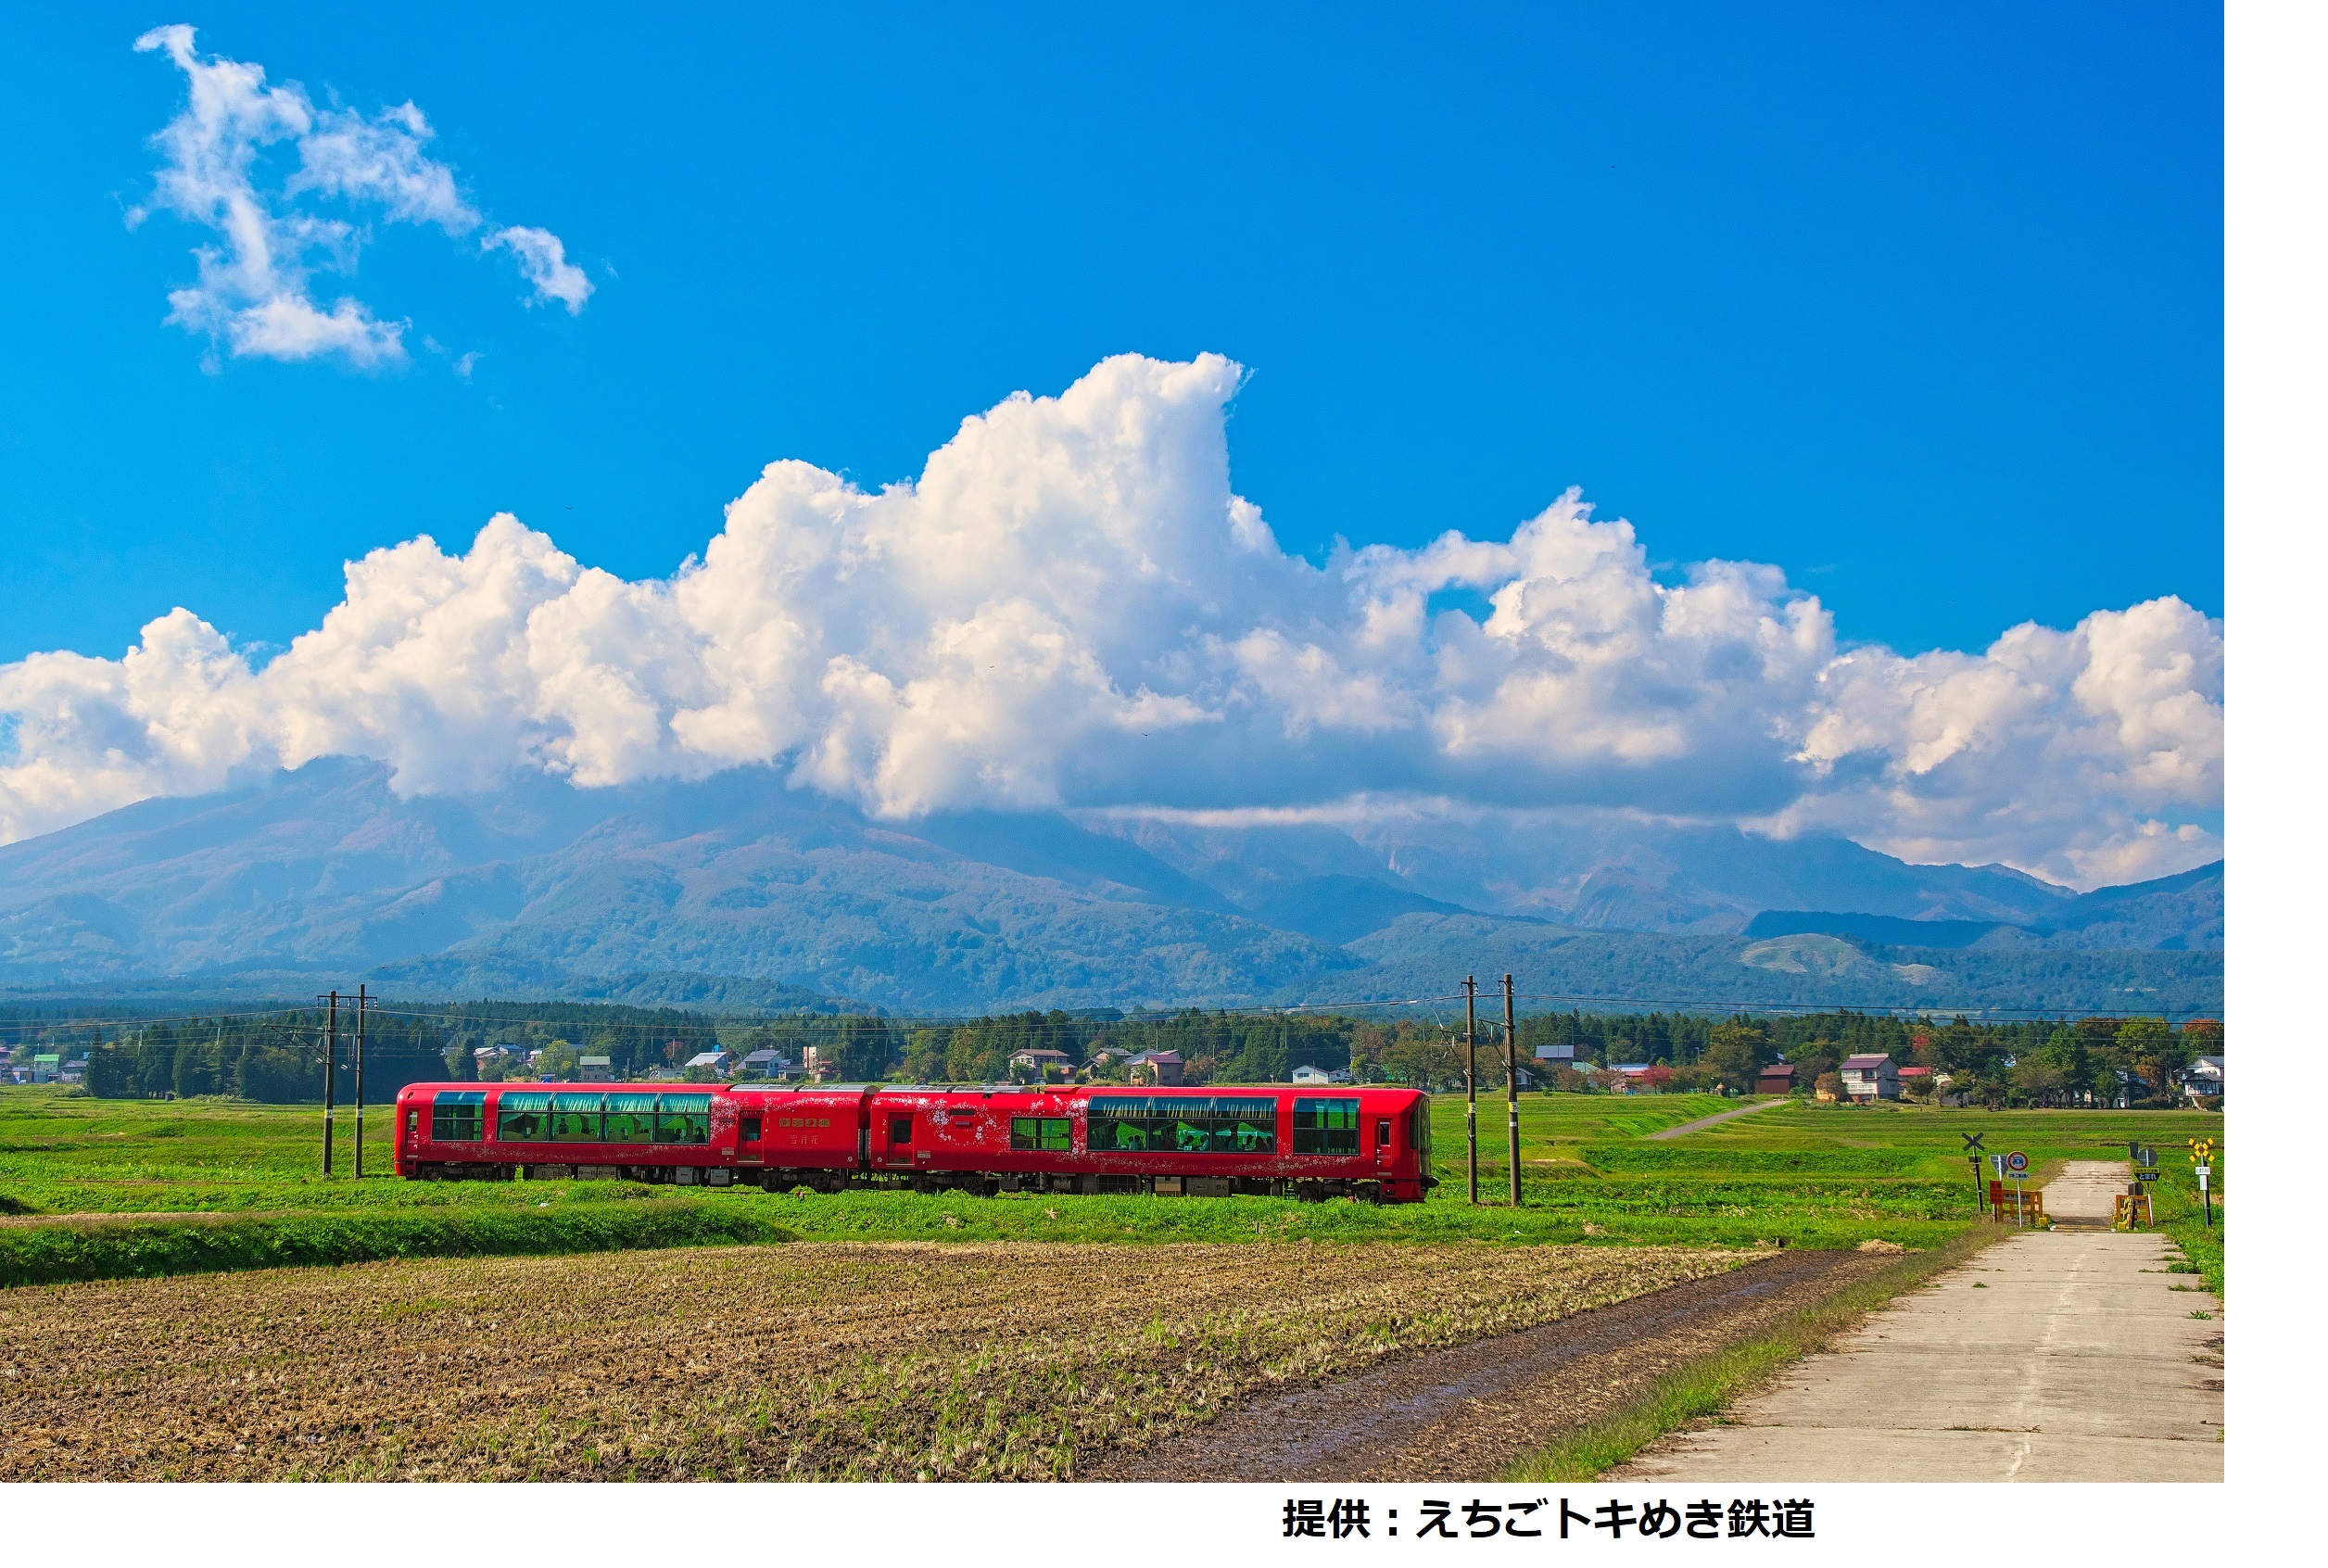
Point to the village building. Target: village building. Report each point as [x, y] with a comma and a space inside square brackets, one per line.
[1044, 1063]
[1869, 1077]
[1776, 1079]
[1155, 1067]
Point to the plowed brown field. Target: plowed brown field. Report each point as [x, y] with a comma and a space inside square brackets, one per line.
[876, 1361]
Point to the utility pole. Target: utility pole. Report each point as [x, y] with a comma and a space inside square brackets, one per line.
[363, 1006]
[331, 1061]
[1511, 1088]
[1471, 1079]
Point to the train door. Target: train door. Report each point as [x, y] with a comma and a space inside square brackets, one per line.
[901, 1139]
[1383, 1144]
[751, 1117]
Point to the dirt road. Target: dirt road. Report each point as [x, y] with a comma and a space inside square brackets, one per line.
[2069, 1355]
[1466, 1414]
[1705, 1121]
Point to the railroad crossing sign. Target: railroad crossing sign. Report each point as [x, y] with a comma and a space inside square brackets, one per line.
[2016, 1163]
[1971, 1141]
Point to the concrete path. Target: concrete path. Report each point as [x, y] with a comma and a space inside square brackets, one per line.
[1705, 1121]
[2067, 1355]
[2086, 1191]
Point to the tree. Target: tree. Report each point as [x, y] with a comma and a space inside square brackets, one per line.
[560, 1062]
[1736, 1052]
[2154, 1053]
[926, 1056]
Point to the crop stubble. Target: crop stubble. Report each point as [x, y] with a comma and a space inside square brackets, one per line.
[894, 1360]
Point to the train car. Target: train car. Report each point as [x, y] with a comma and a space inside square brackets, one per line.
[681, 1134]
[1360, 1142]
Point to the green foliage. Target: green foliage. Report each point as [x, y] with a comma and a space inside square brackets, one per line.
[127, 1250]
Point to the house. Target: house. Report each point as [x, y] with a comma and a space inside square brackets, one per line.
[1776, 1079]
[1916, 1078]
[1869, 1077]
[1043, 1063]
[2205, 1077]
[598, 1070]
[767, 1062]
[1342, 1075]
[1155, 1067]
[1313, 1075]
[44, 1069]
[718, 1062]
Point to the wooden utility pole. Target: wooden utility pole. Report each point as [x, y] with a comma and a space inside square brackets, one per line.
[1471, 1078]
[363, 1006]
[331, 1062]
[1511, 1088]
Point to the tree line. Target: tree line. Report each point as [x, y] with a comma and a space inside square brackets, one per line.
[279, 1058]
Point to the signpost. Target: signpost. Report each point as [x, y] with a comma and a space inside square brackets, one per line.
[1972, 1158]
[2203, 1167]
[2016, 1166]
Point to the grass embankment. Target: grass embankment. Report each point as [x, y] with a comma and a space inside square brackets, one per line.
[2175, 1201]
[1704, 1387]
[110, 1249]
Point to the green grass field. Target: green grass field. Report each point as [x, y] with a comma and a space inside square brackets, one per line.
[1813, 1176]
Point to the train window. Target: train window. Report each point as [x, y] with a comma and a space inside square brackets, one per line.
[1419, 1132]
[901, 1130]
[524, 1118]
[1382, 1133]
[631, 1118]
[1325, 1127]
[1049, 1132]
[1185, 1124]
[457, 1116]
[750, 1130]
[683, 1118]
[576, 1119]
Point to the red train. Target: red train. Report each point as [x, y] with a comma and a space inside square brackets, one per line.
[1355, 1142]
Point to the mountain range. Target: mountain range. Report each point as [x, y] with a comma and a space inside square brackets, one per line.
[737, 891]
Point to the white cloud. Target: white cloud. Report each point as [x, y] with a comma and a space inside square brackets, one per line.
[1070, 607]
[254, 288]
[541, 255]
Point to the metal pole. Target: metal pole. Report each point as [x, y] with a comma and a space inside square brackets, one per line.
[331, 1059]
[1471, 1078]
[363, 1005]
[1511, 1088]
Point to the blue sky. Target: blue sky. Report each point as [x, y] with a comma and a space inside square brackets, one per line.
[1924, 309]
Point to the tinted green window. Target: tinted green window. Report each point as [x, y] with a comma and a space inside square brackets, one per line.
[631, 1118]
[457, 1116]
[576, 1119]
[684, 1119]
[525, 1119]
[1328, 1127]
[1190, 1124]
[1052, 1132]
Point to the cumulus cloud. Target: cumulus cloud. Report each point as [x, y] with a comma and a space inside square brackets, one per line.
[253, 289]
[1070, 607]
